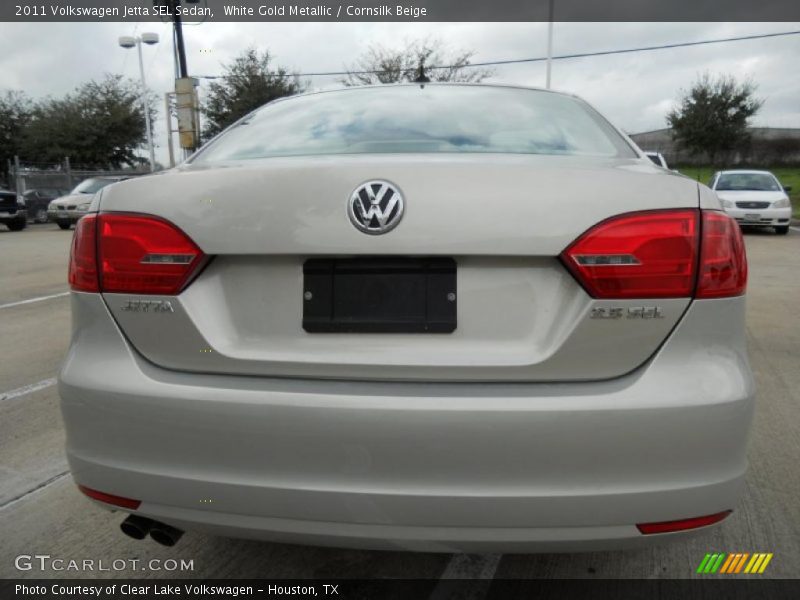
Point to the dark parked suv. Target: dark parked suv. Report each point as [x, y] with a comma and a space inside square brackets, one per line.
[12, 211]
[37, 201]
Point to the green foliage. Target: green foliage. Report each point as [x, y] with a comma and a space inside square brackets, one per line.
[99, 125]
[712, 117]
[248, 83]
[393, 65]
[15, 114]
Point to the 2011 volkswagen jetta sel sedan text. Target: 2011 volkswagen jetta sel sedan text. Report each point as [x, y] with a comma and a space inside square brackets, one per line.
[439, 317]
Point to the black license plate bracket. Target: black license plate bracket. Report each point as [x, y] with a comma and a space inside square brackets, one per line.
[379, 295]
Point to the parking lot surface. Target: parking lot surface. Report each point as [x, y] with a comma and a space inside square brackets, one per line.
[41, 511]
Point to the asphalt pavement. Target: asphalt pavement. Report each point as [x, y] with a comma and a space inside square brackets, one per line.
[42, 513]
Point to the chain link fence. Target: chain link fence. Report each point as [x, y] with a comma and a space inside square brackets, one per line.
[39, 183]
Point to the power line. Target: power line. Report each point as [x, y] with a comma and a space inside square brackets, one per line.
[543, 58]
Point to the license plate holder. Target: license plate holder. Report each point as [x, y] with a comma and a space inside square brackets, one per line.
[379, 295]
[751, 217]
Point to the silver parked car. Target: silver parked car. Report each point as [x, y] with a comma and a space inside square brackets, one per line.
[66, 210]
[439, 317]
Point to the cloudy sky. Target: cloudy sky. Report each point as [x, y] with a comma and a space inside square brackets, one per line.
[634, 90]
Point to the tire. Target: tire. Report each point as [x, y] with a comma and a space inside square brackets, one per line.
[17, 225]
[64, 224]
[781, 229]
[41, 216]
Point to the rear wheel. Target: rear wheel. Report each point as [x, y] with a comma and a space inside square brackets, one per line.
[782, 229]
[41, 216]
[64, 224]
[17, 225]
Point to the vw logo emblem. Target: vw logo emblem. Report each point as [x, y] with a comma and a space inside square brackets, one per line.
[375, 207]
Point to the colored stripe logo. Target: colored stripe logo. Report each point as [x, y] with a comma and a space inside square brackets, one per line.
[734, 563]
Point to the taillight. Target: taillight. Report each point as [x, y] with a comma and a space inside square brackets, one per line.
[661, 254]
[142, 254]
[638, 255]
[83, 256]
[723, 262]
[133, 254]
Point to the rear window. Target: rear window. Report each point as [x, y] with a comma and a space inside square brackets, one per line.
[90, 186]
[409, 119]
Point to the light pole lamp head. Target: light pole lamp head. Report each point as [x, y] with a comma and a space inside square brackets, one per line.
[149, 38]
[127, 41]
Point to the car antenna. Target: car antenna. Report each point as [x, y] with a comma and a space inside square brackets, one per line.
[422, 79]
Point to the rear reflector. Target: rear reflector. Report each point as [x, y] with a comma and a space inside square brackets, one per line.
[83, 256]
[649, 254]
[723, 262]
[110, 499]
[133, 254]
[683, 524]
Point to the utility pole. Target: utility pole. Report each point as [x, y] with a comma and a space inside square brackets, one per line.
[168, 115]
[550, 42]
[183, 71]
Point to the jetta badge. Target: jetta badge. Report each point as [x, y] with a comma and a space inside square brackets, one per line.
[375, 207]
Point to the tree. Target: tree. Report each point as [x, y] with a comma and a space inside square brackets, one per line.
[100, 125]
[380, 64]
[15, 114]
[248, 83]
[712, 117]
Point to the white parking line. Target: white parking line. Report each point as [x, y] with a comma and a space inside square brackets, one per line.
[28, 389]
[471, 566]
[32, 300]
[463, 567]
[797, 229]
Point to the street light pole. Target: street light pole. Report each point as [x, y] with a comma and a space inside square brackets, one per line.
[129, 42]
[146, 109]
[550, 42]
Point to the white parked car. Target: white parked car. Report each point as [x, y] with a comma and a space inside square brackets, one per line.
[754, 198]
[441, 317]
[66, 210]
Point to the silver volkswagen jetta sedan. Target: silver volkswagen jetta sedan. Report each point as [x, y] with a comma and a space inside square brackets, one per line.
[439, 317]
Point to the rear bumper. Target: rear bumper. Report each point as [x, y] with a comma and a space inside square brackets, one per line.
[434, 467]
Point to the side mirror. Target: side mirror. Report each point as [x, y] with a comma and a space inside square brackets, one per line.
[787, 188]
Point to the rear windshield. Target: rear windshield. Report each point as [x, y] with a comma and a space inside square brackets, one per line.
[406, 119]
[760, 182]
[90, 186]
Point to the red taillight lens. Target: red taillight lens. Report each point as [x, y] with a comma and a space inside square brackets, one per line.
[682, 524]
[638, 255]
[723, 262]
[83, 256]
[142, 254]
[110, 498]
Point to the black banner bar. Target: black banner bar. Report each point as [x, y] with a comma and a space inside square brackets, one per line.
[727, 587]
[401, 10]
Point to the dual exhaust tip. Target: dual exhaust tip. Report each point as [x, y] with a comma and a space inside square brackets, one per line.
[138, 528]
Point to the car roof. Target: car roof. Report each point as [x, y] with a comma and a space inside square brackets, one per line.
[745, 172]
